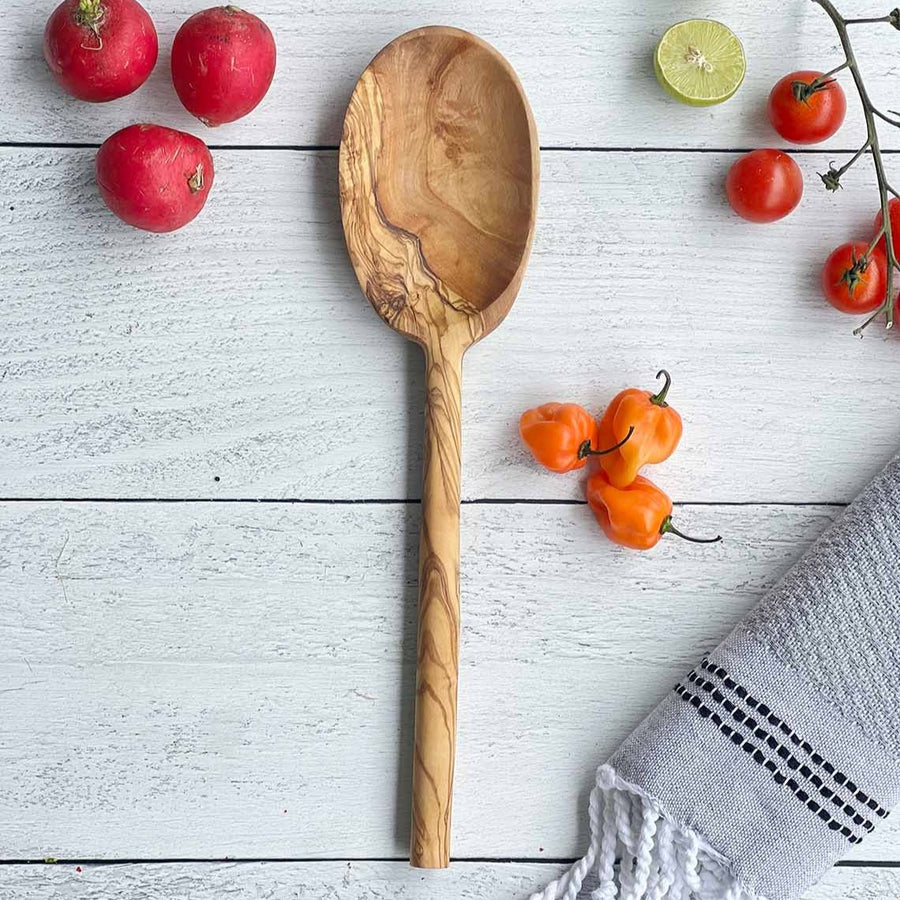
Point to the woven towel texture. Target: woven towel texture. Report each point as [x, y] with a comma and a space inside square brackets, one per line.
[836, 617]
[780, 750]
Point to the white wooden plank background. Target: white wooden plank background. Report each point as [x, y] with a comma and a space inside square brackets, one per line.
[586, 65]
[340, 881]
[242, 347]
[244, 669]
[204, 677]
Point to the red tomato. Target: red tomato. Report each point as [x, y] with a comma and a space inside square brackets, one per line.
[223, 61]
[100, 50]
[764, 185]
[894, 214]
[804, 116]
[154, 178]
[853, 283]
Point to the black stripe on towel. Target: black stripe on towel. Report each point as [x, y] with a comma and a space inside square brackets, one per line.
[817, 759]
[744, 720]
[758, 756]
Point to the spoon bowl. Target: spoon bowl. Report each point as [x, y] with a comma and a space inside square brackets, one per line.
[439, 167]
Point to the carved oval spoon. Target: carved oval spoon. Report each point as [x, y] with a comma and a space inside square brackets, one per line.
[439, 167]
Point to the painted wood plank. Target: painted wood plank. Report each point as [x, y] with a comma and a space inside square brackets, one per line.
[206, 680]
[348, 881]
[587, 68]
[238, 357]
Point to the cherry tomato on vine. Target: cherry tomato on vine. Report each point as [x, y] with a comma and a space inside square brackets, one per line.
[805, 112]
[764, 186]
[853, 282]
[894, 215]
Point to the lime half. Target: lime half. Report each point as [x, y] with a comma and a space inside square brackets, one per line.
[700, 62]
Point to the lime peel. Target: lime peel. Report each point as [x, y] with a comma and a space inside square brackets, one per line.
[700, 62]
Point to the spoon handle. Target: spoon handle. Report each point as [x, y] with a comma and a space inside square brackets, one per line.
[438, 643]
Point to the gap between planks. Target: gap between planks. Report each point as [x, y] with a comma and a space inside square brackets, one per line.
[313, 860]
[413, 501]
[313, 148]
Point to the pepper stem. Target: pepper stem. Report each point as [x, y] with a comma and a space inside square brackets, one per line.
[668, 528]
[660, 398]
[585, 449]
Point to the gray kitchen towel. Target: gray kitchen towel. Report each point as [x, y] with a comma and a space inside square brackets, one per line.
[780, 751]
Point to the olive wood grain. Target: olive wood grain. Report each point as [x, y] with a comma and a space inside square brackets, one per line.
[439, 169]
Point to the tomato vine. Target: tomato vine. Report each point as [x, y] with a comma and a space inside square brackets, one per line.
[832, 178]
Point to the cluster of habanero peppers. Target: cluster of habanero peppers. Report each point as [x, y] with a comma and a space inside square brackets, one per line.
[638, 428]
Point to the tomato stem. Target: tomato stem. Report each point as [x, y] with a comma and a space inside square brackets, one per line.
[886, 118]
[660, 398]
[875, 241]
[888, 18]
[832, 178]
[585, 449]
[803, 90]
[668, 528]
[870, 112]
[822, 79]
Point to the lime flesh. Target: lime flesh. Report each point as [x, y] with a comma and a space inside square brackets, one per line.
[700, 62]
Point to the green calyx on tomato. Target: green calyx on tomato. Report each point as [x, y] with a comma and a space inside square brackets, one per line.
[807, 106]
[831, 179]
[803, 90]
[853, 276]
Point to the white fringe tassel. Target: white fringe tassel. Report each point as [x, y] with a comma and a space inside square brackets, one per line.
[659, 859]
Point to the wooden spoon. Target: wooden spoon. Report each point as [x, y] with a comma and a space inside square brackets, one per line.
[439, 170]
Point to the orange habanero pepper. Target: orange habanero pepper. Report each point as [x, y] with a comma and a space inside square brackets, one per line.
[657, 431]
[561, 436]
[635, 516]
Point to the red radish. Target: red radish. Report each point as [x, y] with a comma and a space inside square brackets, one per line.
[153, 177]
[223, 61]
[100, 50]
